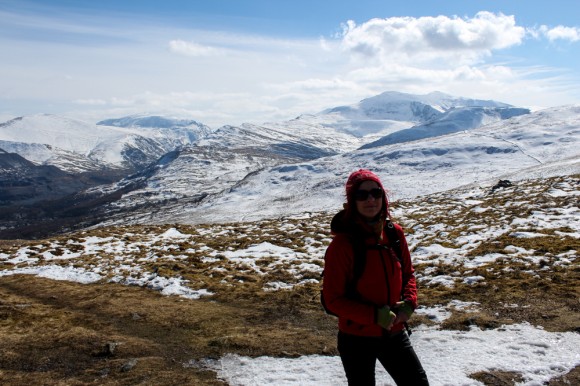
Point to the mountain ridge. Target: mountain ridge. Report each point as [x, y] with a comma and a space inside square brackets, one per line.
[302, 163]
[479, 156]
[451, 121]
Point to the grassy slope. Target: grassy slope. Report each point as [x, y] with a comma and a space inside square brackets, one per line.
[63, 333]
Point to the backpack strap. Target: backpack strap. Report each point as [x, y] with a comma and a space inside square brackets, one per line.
[395, 244]
[394, 240]
[360, 254]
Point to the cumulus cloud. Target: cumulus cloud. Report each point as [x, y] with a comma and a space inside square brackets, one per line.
[428, 37]
[561, 33]
[277, 77]
[453, 54]
[192, 49]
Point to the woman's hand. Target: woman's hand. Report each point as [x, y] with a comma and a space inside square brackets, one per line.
[404, 311]
[385, 317]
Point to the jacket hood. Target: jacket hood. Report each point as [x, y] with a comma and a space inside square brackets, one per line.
[354, 182]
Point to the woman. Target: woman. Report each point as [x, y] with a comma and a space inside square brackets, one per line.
[373, 305]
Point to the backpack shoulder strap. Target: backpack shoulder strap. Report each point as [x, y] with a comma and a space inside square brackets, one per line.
[360, 251]
[360, 258]
[394, 240]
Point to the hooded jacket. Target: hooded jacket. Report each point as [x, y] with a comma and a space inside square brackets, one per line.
[381, 283]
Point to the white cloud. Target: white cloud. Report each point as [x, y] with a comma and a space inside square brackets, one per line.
[313, 84]
[409, 38]
[192, 49]
[563, 33]
[166, 68]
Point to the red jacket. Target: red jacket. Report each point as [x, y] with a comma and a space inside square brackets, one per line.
[381, 282]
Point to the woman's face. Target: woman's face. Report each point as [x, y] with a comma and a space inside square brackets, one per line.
[370, 207]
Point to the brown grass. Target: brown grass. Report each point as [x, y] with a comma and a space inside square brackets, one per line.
[510, 294]
[57, 333]
[62, 333]
[498, 378]
[509, 378]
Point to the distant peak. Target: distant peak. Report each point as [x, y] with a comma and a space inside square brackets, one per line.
[149, 121]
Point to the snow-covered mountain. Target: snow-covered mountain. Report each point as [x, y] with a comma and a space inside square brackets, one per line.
[133, 142]
[451, 121]
[399, 106]
[392, 111]
[76, 146]
[223, 159]
[152, 121]
[64, 156]
[255, 171]
[245, 150]
[171, 132]
[544, 143]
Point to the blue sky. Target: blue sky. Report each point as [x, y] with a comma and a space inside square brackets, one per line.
[233, 61]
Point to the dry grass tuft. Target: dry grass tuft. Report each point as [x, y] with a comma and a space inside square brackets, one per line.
[498, 378]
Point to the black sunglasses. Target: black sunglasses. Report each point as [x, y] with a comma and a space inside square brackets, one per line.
[363, 195]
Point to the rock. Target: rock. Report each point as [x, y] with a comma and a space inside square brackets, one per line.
[129, 365]
[501, 185]
[110, 348]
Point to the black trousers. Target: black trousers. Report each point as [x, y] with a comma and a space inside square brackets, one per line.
[360, 353]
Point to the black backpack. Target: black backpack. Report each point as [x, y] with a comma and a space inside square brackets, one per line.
[360, 253]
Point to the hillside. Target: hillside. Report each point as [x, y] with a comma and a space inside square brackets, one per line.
[170, 304]
[151, 169]
[539, 144]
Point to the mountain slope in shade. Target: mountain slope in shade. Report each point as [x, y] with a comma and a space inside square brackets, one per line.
[41, 154]
[24, 182]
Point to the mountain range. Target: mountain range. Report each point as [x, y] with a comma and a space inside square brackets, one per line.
[144, 169]
[76, 146]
